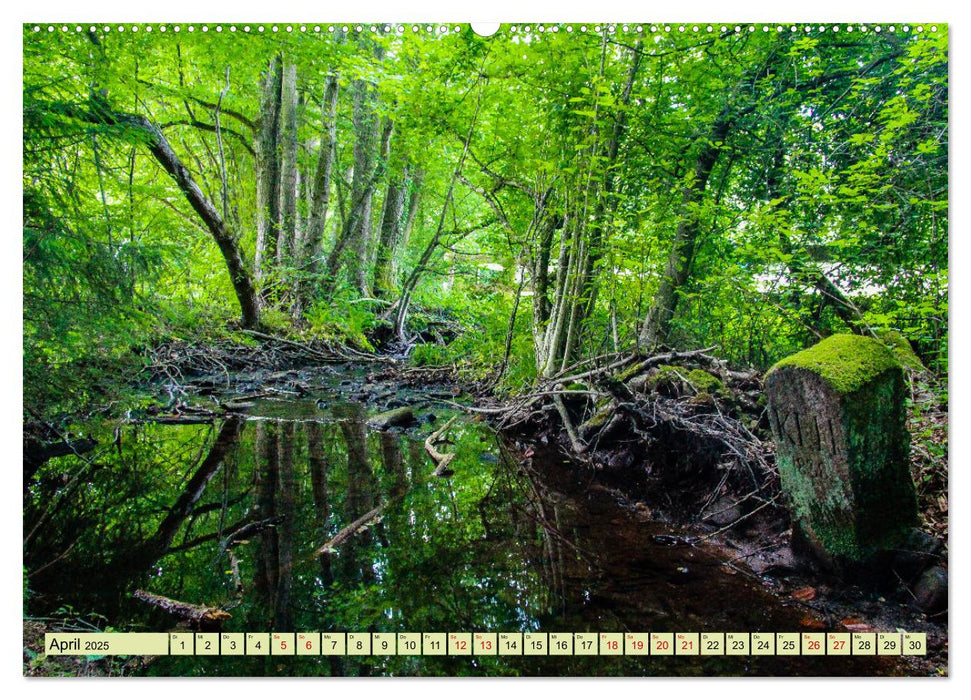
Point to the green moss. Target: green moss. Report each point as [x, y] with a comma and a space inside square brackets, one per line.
[845, 361]
[902, 349]
[666, 374]
[577, 386]
[849, 544]
[838, 541]
[704, 382]
[629, 373]
[599, 418]
[682, 380]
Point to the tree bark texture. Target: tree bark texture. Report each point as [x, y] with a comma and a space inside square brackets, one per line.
[362, 189]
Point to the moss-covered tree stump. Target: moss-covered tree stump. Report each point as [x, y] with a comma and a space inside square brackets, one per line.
[839, 419]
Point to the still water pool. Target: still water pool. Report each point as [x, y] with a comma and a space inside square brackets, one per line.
[236, 514]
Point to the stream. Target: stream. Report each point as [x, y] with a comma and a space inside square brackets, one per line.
[505, 543]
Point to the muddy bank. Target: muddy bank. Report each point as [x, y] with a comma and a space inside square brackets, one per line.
[684, 439]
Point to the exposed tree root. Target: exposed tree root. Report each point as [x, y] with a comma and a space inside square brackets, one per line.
[681, 421]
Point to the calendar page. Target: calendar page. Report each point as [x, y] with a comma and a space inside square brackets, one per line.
[605, 348]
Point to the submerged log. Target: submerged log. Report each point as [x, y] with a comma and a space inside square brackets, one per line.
[179, 420]
[201, 615]
[396, 417]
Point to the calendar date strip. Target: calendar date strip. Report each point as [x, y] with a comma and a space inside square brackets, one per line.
[486, 644]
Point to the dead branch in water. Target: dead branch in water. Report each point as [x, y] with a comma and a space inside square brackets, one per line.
[198, 614]
[331, 354]
[357, 526]
[175, 363]
[441, 460]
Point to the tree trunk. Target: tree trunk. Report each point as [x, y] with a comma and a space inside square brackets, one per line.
[550, 339]
[541, 271]
[287, 146]
[657, 326]
[362, 190]
[266, 559]
[318, 463]
[393, 463]
[582, 245]
[218, 229]
[360, 500]
[226, 441]
[320, 199]
[390, 235]
[268, 170]
[350, 232]
[606, 201]
[414, 199]
[540, 279]
[286, 438]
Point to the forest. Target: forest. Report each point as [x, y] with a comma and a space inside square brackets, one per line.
[593, 239]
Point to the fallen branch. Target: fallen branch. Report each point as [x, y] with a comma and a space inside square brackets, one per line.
[242, 398]
[670, 358]
[202, 539]
[198, 614]
[497, 410]
[596, 371]
[333, 355]
[63, 555]
[765, 504]
[305, 348]
[441, 460]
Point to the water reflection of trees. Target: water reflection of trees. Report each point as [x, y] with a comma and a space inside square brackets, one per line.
[233, 514]
[480, 550]
[108, 518]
